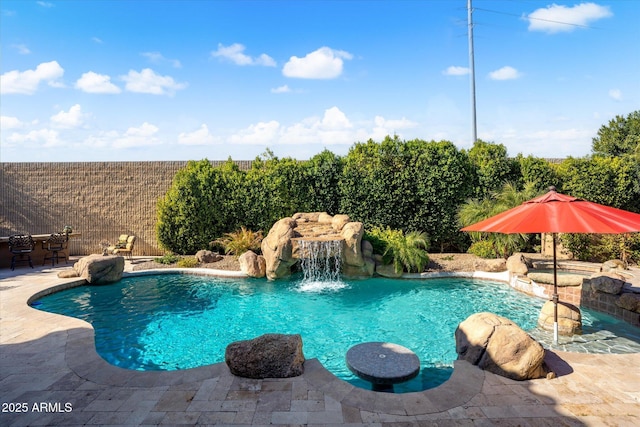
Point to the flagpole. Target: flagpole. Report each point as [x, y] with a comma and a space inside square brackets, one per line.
[474, 131]
[555, 293]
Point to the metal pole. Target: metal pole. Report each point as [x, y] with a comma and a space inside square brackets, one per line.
[555, 293]
[472, 67]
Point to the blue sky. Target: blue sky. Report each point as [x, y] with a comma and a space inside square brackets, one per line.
[178, 80]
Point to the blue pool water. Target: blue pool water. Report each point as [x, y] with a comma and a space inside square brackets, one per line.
[168, 322]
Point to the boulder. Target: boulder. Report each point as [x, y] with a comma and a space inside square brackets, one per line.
[68, 273]
[518, 264]
[252, 265]
[491, 265]
[498, 345]
[388, 270]
[613, 265]
[206, 257]
[339, 221]
[352, 234]
[99, 269]
[267, 356]
[277, 248]
[630, 302]
[608, 283]
[569, 318]
[563, 280]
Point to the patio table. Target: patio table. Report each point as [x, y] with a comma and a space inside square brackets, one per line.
[383, 364]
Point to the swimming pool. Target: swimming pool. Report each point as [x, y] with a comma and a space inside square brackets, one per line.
[175, 321]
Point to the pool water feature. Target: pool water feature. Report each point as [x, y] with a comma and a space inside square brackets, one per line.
[175, 321]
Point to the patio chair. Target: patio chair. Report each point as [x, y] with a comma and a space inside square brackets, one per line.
[55, 245]
[21, 246]
[123, 247]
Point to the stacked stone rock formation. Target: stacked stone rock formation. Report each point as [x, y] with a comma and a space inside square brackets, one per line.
[281, 249]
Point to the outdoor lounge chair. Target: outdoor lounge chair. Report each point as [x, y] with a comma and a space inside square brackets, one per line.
[123, 247]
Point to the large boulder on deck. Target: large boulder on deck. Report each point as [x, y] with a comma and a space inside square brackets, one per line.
[498, 345]
[569, 318]
[267, 356]
[252, 264]
[99, 269]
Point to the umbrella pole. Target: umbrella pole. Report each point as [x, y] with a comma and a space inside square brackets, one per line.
[555, 293]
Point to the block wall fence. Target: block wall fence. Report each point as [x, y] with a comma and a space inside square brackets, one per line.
[100, 200]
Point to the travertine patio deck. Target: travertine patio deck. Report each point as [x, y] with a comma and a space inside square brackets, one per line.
[49, 369]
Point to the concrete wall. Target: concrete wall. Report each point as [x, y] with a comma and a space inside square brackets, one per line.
[101, 200]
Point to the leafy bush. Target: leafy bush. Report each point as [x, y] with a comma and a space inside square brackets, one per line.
[603, 247]
[188, 262]
[406, 185]
[196, 208]
[483, 249]
[405, 252]
[167, 259]
[241, 241]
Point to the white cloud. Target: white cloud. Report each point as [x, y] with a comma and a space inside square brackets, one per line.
[45, 4]
[27, 82]
[456, 71]
[615, 94]
[558, 18]
[281, 89]
[260, 133]
[137, 137]
[333, 128]
[43, 138]
[235, 53]
[384, 127]
[504, 73]
[21, 48]
[200, 136]
[97, 40]
[157, 58]
[91, 82]
[324, 63]
[7, 123]
[71, 119]
[147, 81]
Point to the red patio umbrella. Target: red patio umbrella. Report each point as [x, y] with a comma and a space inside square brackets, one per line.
[558, 213]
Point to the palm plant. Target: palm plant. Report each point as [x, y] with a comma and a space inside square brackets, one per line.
[405, 252]
[508, 197]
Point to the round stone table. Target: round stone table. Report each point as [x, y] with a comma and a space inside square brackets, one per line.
[383, 364]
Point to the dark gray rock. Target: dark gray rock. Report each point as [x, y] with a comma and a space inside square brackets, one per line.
[608, 283]
[267, 356]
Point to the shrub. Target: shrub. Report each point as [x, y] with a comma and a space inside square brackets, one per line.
[167, 259]
[196, 208]
[603, 247]
[483, 249]
[240, 241]
[188, 262]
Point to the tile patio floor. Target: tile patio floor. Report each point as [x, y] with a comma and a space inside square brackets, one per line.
[50, 371]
